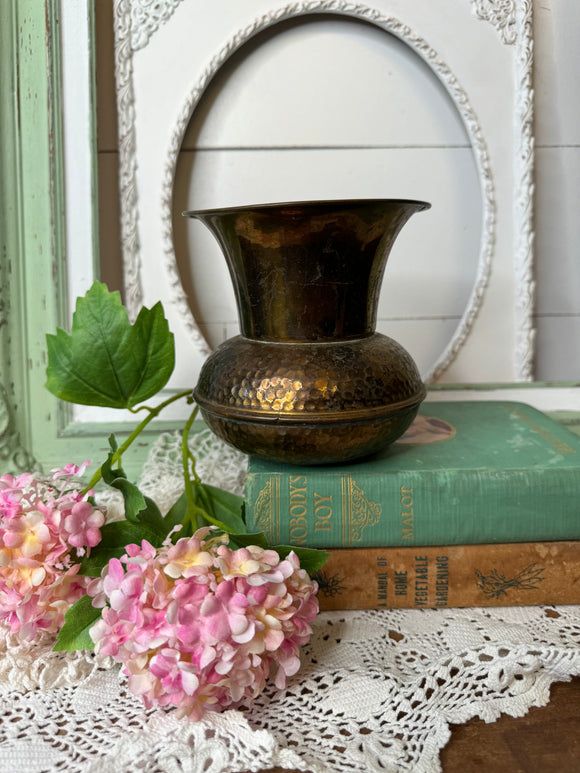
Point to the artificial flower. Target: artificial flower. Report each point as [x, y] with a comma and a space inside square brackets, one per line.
[201, 626]
[44, 530]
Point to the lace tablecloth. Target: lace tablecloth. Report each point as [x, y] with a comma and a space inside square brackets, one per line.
[377, 690]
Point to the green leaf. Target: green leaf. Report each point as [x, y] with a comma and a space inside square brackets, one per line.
[152, 519]
[114, 538]
[310, 559]
[176, 514]
[109, 475]
[132, 497]
[74, 635]
[224, 507]
[92, 566]
[106, 360]
[243, 540]
[138, 508]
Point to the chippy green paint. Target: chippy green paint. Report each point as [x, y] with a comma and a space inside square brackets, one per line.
[34, 428]
[13, 383]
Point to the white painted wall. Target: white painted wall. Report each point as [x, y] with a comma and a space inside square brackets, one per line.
[557, 88]
[79, 170]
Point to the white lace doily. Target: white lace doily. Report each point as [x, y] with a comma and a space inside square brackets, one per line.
[377, 690]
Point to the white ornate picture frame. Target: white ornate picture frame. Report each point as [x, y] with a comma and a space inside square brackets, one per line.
[152, 126]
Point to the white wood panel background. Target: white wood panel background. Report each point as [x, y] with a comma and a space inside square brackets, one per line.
[335, 108]
[557, 63]
[435, 149]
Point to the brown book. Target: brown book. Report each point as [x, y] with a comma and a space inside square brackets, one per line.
[492, 575]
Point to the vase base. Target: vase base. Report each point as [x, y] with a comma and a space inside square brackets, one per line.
[318, 443]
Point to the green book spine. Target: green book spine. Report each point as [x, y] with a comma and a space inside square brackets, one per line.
[495, 472]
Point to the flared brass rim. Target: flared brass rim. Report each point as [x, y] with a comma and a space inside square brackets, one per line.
[323, 203]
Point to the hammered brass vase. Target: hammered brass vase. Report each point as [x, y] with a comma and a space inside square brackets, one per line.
[309, 380]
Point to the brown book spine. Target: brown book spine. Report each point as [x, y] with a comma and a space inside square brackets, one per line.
[492, 575]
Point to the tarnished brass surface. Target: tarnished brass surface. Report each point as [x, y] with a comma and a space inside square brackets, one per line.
[310, 403]
[309, 381]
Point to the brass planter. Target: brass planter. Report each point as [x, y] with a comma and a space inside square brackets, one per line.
[309, 381]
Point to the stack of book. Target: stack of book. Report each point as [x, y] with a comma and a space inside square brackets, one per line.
[477, 505]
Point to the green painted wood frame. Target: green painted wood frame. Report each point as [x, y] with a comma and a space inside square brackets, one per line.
[36, 430]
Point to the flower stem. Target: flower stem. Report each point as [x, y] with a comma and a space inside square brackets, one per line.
[193, 510]
[186, 455]
[194, 489]
[153, 412]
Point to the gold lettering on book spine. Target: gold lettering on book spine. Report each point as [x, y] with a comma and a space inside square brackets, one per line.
[264, 511]
[360, 511]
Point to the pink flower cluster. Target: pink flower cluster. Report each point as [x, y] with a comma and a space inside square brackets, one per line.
[44, 528]
[200, 626]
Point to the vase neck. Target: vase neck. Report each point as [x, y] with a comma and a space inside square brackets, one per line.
[309, 272]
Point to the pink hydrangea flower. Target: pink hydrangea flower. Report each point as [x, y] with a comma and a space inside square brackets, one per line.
[82, 523]
[44, 528]
[201, 626]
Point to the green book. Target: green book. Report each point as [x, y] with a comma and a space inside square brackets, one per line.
[464, 473]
